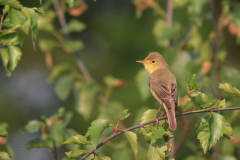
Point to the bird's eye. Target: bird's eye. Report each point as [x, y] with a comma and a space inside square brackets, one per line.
[153, 61]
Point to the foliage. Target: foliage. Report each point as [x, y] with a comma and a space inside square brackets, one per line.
[189, 45]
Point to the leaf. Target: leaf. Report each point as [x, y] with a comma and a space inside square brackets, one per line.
[104, 158]
[70, 3]
[3, 132]
[32, 126]
[210, 131]
[12, 3]
[143, 84]
[221, 104]
[79, 139]
[16, 17]
[58, 71]
[4, 156]
[36, 143]
[75, 154]
[14, 56]
[202, 101]
[229, 89]
[96, 129]
[132, 138]
[125, 114]
[74, 45]
[63, 87]
[157, 150]
[158, 132]
[47, 44]
[86, 97]
[56, 133]
[191, 84]
[75, 26]
[228, 132]
[9, 39]
[186, 106]
[148, 115]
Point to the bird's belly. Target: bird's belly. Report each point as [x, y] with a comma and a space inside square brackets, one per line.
[156, 97]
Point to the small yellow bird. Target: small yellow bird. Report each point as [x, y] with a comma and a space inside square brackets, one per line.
[163, 85]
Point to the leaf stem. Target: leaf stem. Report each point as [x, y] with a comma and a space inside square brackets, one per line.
[153, 121]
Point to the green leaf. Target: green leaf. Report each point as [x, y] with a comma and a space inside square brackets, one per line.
[16, 17]
[75, 26]
[191, 84]
[11, 3]
[5, 59]
[86, 97]
[48, 44]
[202, 101]
[63, 87]
[157, 150]
[143, 84]
[75, 154]
[125, 114]
[74, 45]
[186, 106]
[158, 132]
[4, 156]
[104, 158]
[228, 132]
[58, 71]
[210, 131]
[36, 143]
[9, 39]
[79, 139]
[56, 133]
[70, 3]
[221, 104]
[132, 138]
[96, 129]
[3, 132]
[148, 115]
[229, 89]
[32, 126]
[14, 56]
[23, 31]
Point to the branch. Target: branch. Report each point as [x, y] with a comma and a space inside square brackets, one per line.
[153, 121]
[80, 63]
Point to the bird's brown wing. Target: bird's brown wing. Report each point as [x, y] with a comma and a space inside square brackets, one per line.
[174, 94]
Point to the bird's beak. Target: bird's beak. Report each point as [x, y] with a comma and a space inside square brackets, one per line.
[141, 61]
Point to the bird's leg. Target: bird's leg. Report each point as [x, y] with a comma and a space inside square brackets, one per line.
[155, 118]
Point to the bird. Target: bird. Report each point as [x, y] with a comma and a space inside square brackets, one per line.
[163, 85]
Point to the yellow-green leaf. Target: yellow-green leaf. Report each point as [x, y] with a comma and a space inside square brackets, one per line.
[79, 139]
[74, 154]
[229, 89]
[132, 138]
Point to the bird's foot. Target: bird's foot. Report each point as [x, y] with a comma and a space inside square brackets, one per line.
[164, 113]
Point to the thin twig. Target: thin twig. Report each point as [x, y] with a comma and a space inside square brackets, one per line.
[54, 151]
[153, 121]
[80, 63]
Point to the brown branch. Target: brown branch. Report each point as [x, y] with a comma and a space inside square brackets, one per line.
[153, 121]
[54, 151]
[80, 63]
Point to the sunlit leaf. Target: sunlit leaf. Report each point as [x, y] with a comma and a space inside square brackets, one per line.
[32, 126]
[63, 87]
[158, 132]
[228, 132]
[191, 84]
[79, 139]
[221, 104]
[75, 26]
[36, 143]
[104, 158]
[12, 3]
[4, 156]
[202, 101]
[86, 97]
[210, 130]
[125, 114]
[56, 132]
[143, 84]
[70, 3]
[148, 115]
[58, 71]
[96, 129]
[186, 106]
[132, 138]
[74, 154]
[157, 150]
[3, 132]
[229, 89]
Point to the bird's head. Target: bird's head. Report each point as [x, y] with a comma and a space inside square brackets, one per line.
[153, 62]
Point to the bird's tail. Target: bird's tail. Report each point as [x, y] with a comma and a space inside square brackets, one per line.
[171, 115]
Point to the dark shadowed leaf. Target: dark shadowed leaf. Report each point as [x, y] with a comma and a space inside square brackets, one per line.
[36, 143]
[63, 87]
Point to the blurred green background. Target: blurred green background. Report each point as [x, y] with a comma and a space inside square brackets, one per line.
[114, 39]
